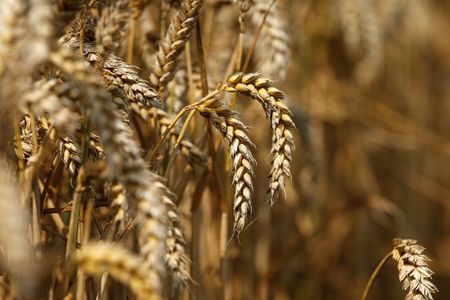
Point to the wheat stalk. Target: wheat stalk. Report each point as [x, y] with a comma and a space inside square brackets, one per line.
[162, 119]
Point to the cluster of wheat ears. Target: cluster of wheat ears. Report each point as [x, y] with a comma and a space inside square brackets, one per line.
[104, 125]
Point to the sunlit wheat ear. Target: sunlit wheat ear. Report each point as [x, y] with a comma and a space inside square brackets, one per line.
[414, 273]
[240, 147]
[116, 72]
[125, 267]
[176, 257]
[124, 160]
[166, 59]
[272, 51]
[280, 118]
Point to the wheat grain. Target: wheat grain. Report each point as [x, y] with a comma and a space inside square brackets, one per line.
[280, 119]
[414, 273]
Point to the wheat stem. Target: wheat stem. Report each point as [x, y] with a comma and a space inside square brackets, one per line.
[374, 275]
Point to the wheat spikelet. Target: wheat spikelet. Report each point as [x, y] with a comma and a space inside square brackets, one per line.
[272, 51]
[125, 162]
[166, 59]
[125, 213]
[176, 257]
[234, 132]
[97, 258]
[280, 119]
[70, 154]
[414, 273]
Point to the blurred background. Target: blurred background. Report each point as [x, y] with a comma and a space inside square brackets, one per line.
[369, 84]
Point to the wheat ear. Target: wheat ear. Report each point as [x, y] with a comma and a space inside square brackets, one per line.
[414, 272]
[115, 72]
[176, 256]
[97, 258]
[112, 25]
[125, 162]
[234, 132]
[280, 118]
[166, 59]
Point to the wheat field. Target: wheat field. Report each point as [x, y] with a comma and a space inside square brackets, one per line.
[224, 149]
